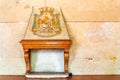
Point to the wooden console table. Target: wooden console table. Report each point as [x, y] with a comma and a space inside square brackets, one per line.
[45, 44]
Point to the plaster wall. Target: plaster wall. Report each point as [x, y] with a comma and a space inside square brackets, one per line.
[94, 28]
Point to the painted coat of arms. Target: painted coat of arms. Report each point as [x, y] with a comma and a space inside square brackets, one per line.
[46, 24]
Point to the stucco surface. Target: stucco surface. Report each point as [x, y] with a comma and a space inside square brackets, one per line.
[73, 10]
[95, 48]
[11, 53]
[93, 27]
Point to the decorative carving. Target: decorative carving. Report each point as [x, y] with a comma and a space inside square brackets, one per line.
[27, 60]
[66, 57]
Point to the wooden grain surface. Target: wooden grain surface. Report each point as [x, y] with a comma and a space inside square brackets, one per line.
[80, 77]
[45, 44]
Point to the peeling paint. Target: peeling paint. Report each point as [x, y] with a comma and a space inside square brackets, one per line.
[106, 31]
[95, 50]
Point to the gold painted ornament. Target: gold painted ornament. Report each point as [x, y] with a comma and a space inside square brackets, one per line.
[46, 24]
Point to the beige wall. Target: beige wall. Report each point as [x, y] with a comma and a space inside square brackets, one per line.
[73, 10]
[94, 28]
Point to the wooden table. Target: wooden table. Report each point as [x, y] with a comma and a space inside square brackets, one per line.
[45, 44]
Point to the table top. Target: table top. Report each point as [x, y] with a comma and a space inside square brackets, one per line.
[62, 36]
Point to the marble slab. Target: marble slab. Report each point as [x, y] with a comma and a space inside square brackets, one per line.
[47, 75]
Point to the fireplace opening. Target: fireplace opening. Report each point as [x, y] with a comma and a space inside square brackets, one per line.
[47, 60]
